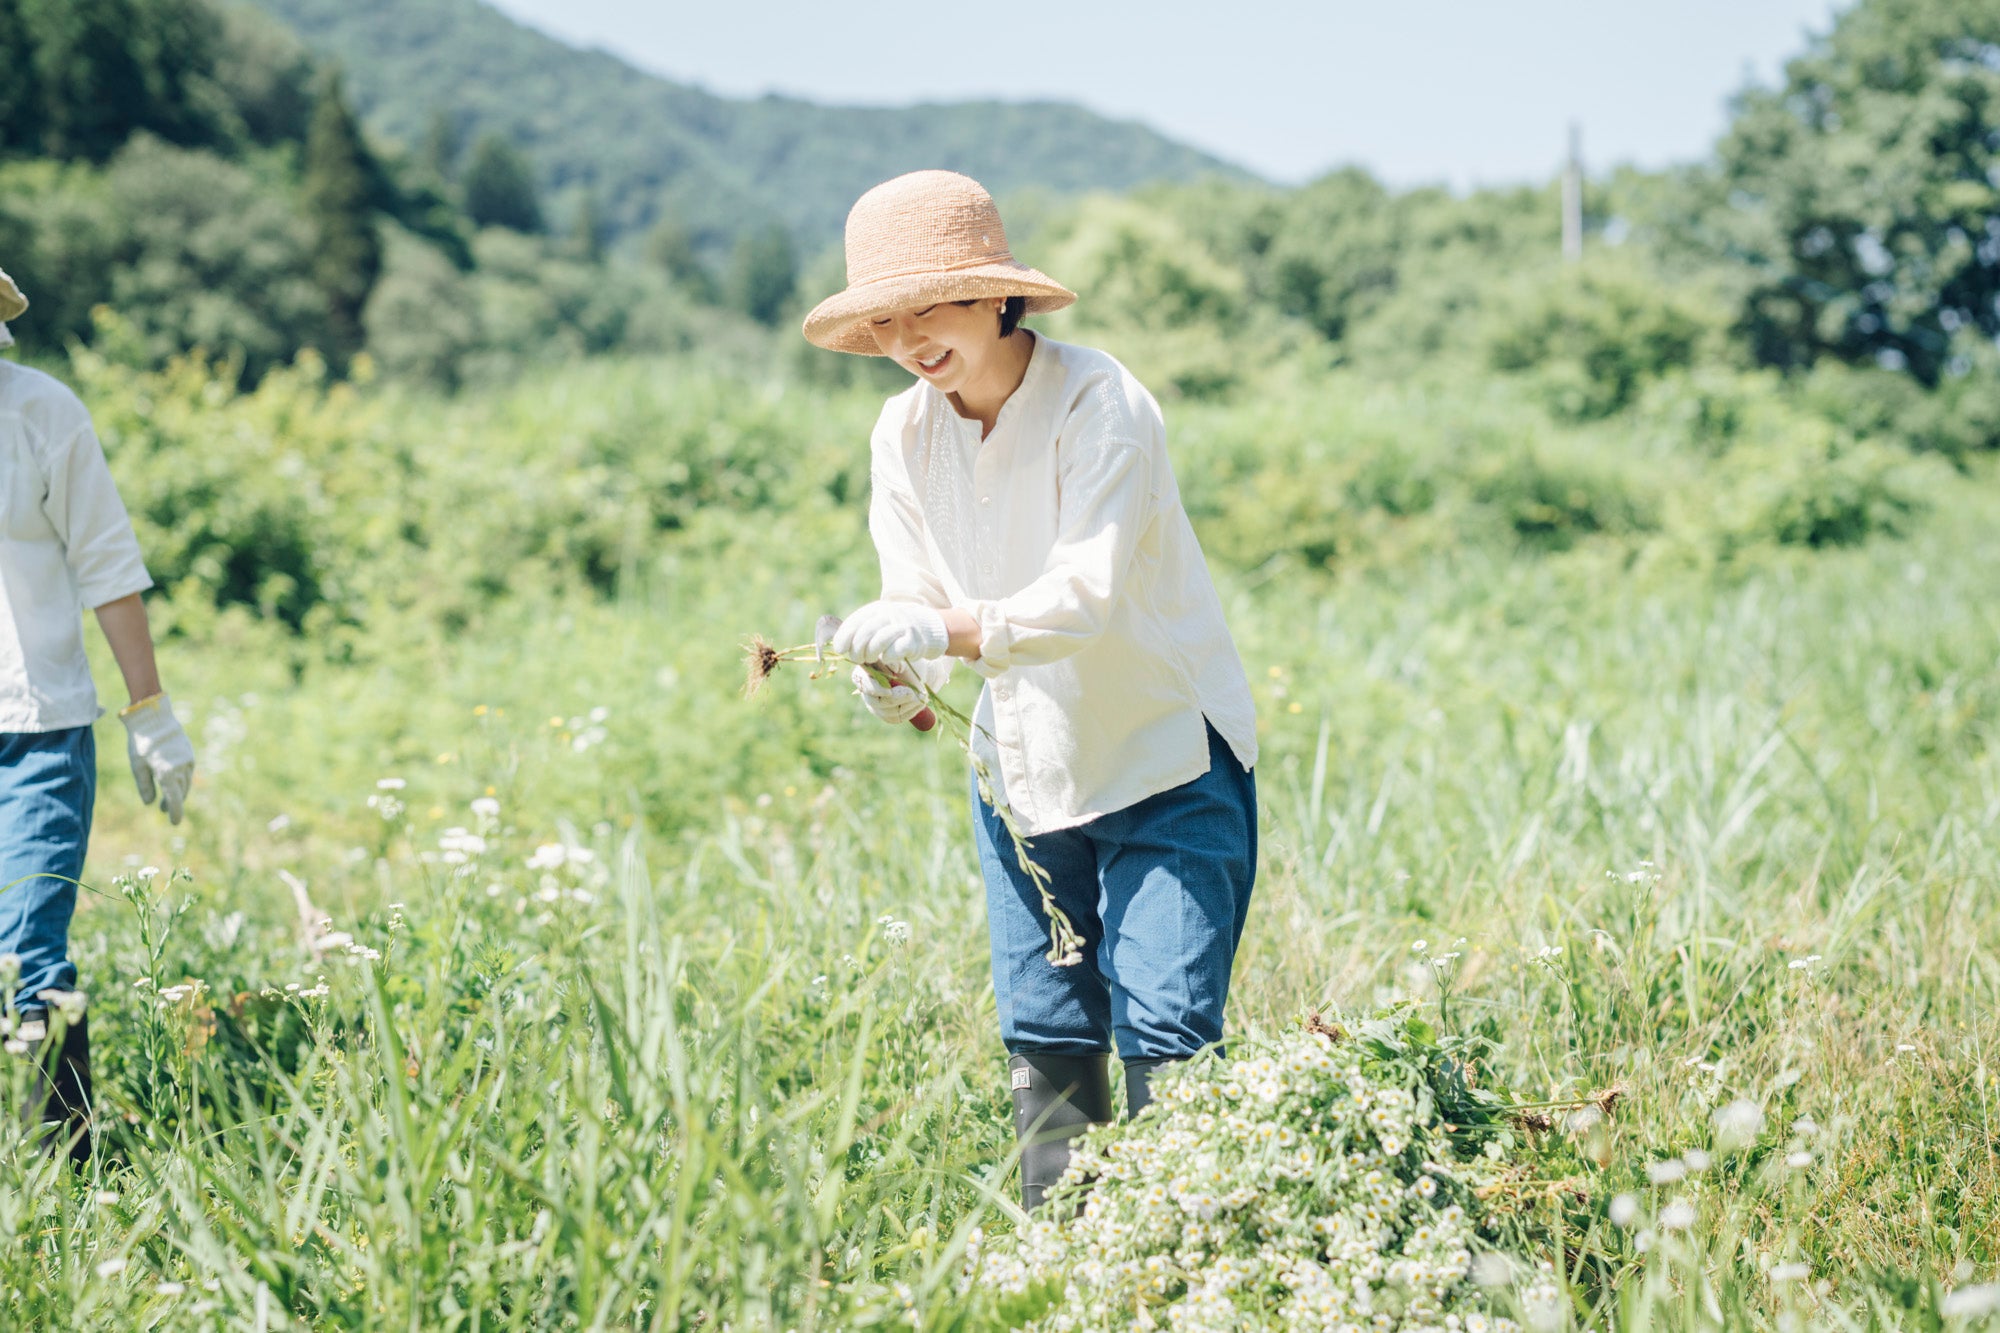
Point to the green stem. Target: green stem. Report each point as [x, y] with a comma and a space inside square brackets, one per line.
[1065, 941]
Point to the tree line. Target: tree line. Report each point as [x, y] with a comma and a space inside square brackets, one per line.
[190, 166]
[193, 168]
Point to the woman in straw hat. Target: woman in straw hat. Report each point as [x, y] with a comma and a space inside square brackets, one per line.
[65, 543]
[1028, 523]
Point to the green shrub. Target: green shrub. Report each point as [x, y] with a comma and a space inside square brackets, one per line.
[1596, 335]
[1549, 498]
[1816, 491]
[227, 509]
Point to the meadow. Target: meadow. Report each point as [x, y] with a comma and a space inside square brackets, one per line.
[624, 1001]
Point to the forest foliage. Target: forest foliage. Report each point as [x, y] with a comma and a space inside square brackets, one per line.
[191, 165]
[1747, 353]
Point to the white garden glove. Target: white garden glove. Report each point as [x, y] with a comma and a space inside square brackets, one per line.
[894, 704]
[892, 633]
[161, 754]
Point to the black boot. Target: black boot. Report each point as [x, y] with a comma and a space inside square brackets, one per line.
[1139, 1082]
[58, 1105]
[70, 1084]
[1056, 1098]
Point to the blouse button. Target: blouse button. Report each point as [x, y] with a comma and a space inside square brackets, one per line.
[986, 499]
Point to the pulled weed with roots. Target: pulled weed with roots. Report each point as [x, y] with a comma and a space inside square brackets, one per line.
[763, 659]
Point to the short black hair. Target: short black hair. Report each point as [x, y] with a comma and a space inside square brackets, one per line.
[1010, 317]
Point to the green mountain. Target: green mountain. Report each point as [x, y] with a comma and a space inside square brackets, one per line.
[647, 147]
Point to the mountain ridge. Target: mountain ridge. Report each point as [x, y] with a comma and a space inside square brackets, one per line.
[649, 146]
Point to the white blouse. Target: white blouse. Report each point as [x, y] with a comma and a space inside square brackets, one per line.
[65, 544]
[1062, 532]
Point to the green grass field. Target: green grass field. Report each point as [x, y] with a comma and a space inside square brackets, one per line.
[1717, 820]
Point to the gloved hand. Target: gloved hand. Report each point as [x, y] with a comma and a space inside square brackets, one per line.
[892, 632]
[161, 754]
[894, 704]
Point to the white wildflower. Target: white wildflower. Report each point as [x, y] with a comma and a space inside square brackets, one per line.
[1738, 1124]
[1971, 1302]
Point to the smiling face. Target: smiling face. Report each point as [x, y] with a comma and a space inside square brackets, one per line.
[950, 345]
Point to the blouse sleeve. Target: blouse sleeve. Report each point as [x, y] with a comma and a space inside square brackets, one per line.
[896, 523]
[1107, 489]
[83, 507]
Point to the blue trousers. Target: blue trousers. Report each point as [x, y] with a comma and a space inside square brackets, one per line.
[48, 784]
[1159, 891]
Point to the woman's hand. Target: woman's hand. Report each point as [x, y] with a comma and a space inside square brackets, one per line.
[894, 704]
[892, 633]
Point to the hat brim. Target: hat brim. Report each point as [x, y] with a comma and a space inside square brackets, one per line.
[12, 303]
[840, 323]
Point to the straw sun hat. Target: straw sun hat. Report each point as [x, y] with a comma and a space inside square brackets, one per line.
[917, 240]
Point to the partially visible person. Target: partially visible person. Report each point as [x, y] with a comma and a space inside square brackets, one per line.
[65, 544]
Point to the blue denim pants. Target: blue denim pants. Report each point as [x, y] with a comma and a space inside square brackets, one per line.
[1159, 892]
[48, 783]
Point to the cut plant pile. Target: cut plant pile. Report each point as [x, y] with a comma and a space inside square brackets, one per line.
[1342, 1176]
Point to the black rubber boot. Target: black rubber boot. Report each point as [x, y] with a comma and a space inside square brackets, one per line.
[58, 1105]
[70, 1080]
[1056, 1098]
[1139, 1082]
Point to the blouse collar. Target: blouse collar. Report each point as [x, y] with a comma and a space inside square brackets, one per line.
[1038, 358]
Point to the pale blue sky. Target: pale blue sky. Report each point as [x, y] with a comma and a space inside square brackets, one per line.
[1455, 91]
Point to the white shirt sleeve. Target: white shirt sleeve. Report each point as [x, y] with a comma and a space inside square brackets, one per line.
[1107, 495]
[896, 523]
[82, 505]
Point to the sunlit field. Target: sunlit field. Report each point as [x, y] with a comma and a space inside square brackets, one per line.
[513, 971]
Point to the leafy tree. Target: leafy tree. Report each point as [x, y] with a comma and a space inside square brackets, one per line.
[107, 68]
[499, 190]
[1598, 335]
[587, 236]
[1866, 190]
[266, 76]
[670, 246]
[764, 274]
[339, 189]
[415, 198]
[423, 317]
[1141, 268]
[59, 237]
[21, 114]
[204, 255]
[443, 142]
[93, 89]
[1334, 255]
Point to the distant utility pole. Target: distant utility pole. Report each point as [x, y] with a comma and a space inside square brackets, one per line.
[1573, 196]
